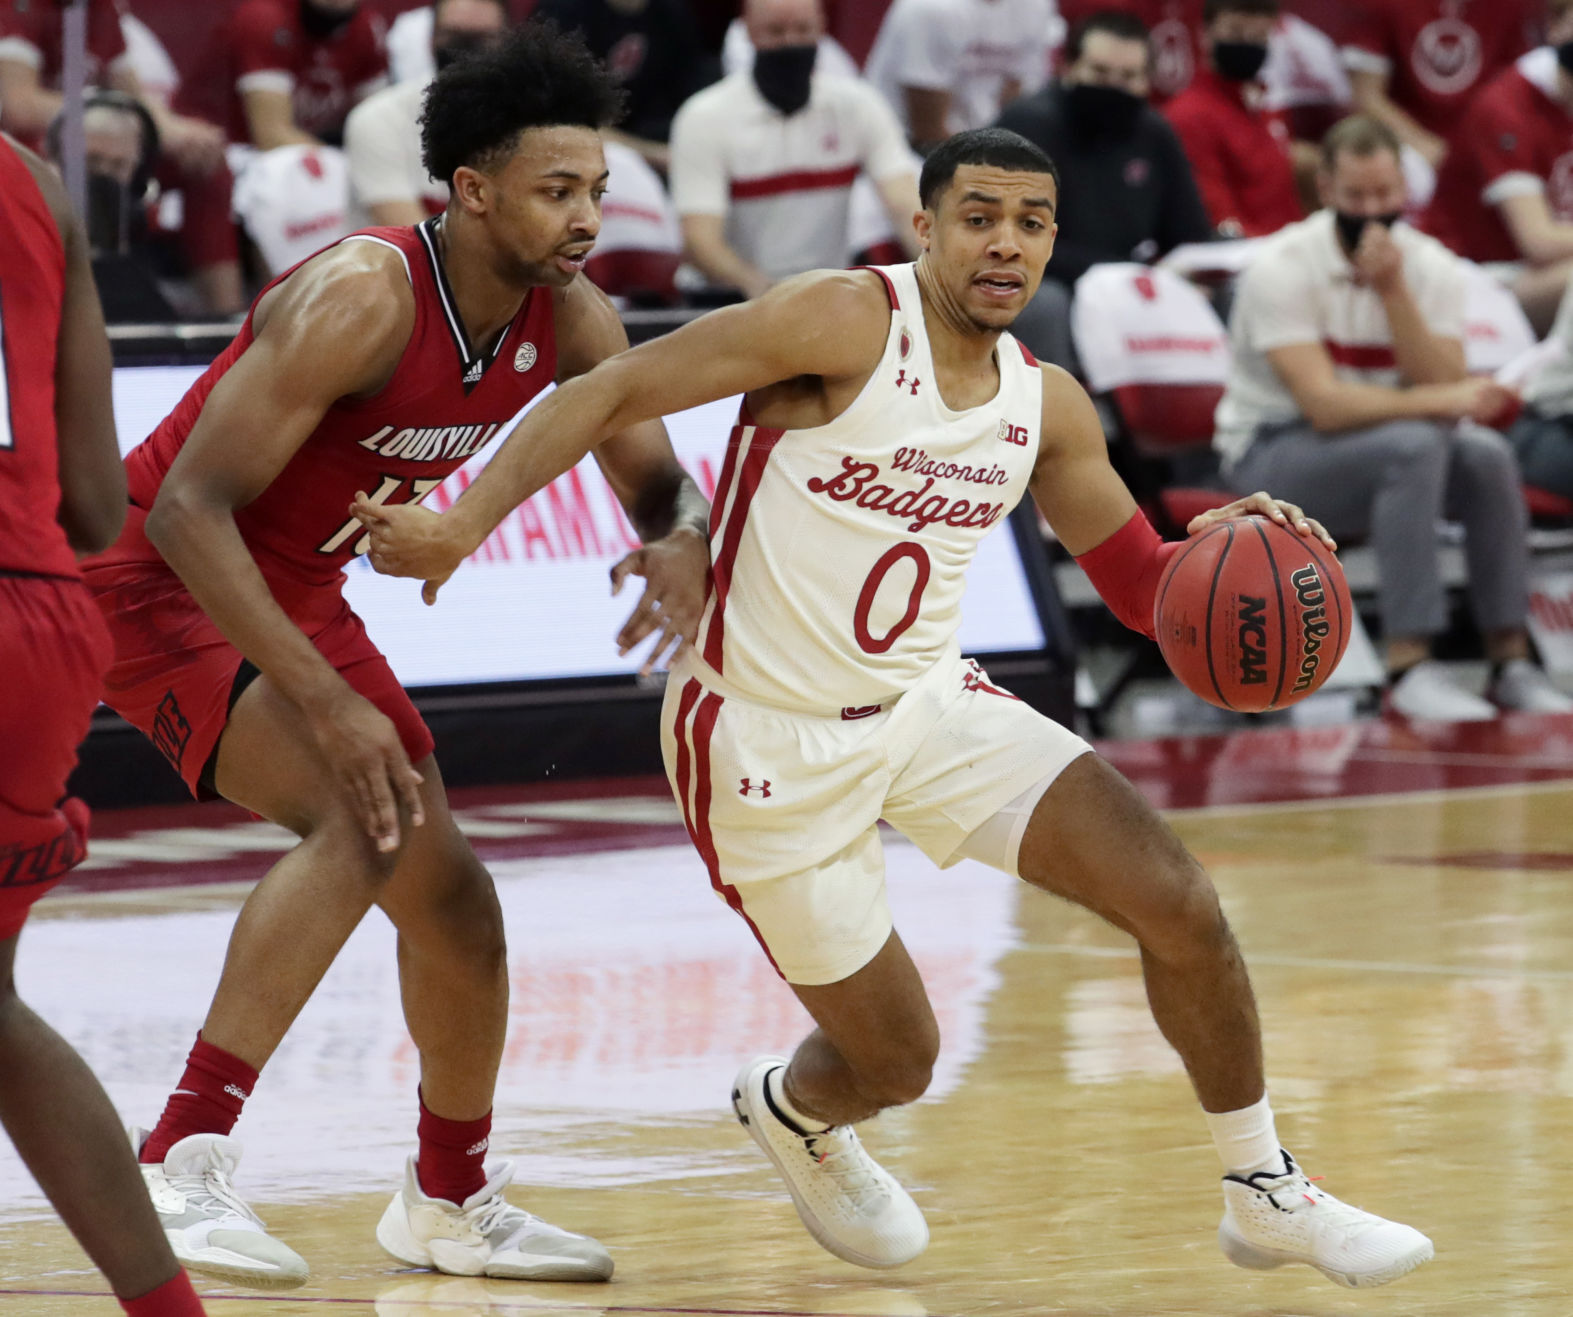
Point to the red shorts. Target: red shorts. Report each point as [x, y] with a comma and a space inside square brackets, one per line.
[53, 652]
[174, 674]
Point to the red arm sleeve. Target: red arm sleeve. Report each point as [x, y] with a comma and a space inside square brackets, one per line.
[1124, 570]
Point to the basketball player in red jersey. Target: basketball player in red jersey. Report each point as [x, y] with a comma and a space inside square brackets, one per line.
[889, 419]
[376, 366]
[62, 493]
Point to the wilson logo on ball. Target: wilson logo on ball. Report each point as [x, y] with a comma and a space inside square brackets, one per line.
[1314, 626]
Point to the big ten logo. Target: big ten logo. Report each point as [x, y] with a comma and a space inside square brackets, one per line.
[1013, 434]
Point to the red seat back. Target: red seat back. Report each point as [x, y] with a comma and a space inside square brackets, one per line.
[1164, 419]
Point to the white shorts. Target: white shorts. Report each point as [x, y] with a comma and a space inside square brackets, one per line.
[783, 807]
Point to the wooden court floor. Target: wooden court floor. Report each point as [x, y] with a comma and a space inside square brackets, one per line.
[1413, 956]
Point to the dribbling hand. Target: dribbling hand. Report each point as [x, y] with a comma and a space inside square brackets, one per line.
[1262, 504]
[676, 571]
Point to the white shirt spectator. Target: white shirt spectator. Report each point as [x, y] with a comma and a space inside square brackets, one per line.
[1304, 67]
[147, 56]
[737, 54]
[783, 182]
[969, 48]
[409, 45]
[1301, 289]
[382, 138]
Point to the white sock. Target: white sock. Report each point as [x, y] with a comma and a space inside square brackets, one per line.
[1245, 1139]
[775, 1085]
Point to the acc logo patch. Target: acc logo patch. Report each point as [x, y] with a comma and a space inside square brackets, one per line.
[524, 358]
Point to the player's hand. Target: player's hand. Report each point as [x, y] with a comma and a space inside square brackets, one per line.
[407, 540]
[363, 751]
[676, 570]
[1261, 504]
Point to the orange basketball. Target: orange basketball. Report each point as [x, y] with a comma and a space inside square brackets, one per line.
[1252, 616]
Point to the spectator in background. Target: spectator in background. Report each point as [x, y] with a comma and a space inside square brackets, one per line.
[1174, 37]
[288, 72]
[763, 163]
[1240, 152]
[1505, 191]
[1414, 64]
[382, 135]
[1126, 191]
[652, 48]
[193, 160]
[121, 143]
[1348, 394]
[1543, 435]
[949, 65]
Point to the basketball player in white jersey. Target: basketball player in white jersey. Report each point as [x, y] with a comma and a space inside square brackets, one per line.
[888, 422]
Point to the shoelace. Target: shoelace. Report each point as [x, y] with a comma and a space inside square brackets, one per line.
[212, 1188]
[1296, 1193]
[485, 1217]
[841, 1156]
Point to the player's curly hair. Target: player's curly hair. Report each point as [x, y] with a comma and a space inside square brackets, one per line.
[537, 76]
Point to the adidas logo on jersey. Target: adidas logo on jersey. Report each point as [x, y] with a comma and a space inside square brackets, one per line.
[476, 370]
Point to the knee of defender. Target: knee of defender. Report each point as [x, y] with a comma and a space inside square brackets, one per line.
[1191, 924]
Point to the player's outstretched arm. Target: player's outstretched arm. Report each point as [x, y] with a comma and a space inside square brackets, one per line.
[335, 328]
[1095, 517]
[831, 325]
[92, 481]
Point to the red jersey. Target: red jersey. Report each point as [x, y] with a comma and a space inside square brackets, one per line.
[441, 405]
[1515, 138]
[1175, 35]
[1436, 52]
[32, 292]
[264, 46]
[1239, 154]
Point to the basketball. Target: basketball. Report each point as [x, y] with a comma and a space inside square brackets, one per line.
[1252, 616]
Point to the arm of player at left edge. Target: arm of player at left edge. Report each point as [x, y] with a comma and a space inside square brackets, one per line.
[1095, 517]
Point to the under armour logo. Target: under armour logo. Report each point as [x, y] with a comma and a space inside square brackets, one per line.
[748, 788]
[911, 384]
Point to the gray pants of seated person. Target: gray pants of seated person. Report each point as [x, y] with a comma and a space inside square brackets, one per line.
[1044, 325]
[1390, 485]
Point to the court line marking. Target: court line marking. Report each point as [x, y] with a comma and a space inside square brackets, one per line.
[1382, 800]
[1254, 959]
[501, 1305]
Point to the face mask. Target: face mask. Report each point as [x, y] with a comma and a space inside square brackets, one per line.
[1097, 111]
[782, 75]
[458, 46]
[1350, 227]
[1565, 55]
[322, 23]
[1238, 61]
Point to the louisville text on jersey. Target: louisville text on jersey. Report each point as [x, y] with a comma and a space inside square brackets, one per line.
[441, 443]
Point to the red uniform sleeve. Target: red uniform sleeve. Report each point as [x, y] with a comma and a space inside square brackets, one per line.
[105, 40]
[1497, 139]
[261, 40]
[1369, 28]
[1124, 570]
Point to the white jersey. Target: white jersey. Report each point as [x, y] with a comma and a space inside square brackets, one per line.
[840, 552]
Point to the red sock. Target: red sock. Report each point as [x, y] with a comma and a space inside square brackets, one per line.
[207, 1100]
[174, 1298]
[452, 1160]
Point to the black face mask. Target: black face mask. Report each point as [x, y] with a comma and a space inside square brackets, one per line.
[458, 46]
[1350, 227]
[1565, 55]
[1238, 61]
[322, 23]
[1104, 112]
[782, 75]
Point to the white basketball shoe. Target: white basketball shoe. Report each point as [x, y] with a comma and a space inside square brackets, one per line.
[209, 1227]
[848, 1201]
[1271, 1219]
[486, 1235]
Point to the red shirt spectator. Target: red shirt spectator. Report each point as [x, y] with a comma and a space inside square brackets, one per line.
[265, 46]
[1425, 58]
[1239, 154]
[1516, 139]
